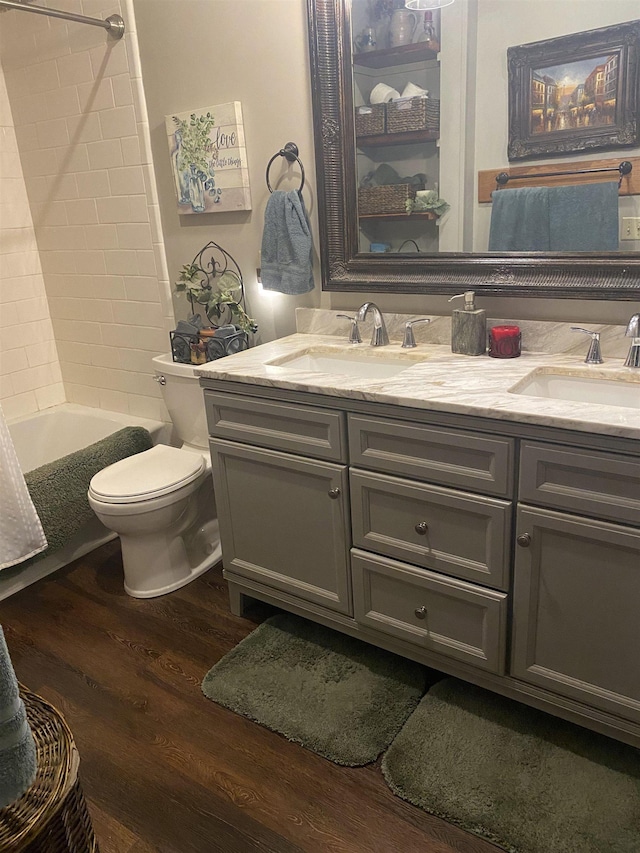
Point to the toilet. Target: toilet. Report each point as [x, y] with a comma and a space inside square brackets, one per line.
[160, 502]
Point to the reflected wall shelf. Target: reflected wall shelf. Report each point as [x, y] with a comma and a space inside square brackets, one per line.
[390, 56]
[411, 137]
[425, 214]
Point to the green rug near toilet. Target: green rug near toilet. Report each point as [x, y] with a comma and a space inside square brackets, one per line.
[335, 695]
[523, 779]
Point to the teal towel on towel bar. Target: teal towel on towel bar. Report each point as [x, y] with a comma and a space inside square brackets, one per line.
[287, 248]
[578, 218]
[520, 220]
[18, 760]
[584, 218]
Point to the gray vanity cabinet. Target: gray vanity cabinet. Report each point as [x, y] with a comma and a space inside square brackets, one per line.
[504, 554]
[284, 516]
[576, 625]
[576, 621]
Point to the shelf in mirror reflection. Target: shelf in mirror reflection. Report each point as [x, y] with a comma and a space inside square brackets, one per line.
[401, 217]
[411, 137]
[391, 56]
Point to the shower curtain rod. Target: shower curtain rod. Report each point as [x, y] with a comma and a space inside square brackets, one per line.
[114, 23]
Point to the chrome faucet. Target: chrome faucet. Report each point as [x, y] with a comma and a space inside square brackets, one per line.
[594, 355]
[379, 338]
[633, 332]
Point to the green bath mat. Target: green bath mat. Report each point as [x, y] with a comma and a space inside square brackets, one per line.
[516, 776]
[335, 695]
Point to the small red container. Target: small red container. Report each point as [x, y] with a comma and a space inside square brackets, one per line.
[504, 341]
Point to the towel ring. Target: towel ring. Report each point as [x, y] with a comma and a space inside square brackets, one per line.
[290, 153]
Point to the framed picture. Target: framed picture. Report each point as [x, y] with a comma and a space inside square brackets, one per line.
[209, 159]
[574, 93]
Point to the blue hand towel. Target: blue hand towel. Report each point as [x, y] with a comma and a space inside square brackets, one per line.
[18, 761]
[520, 220]
[584, 218]
[286, 264]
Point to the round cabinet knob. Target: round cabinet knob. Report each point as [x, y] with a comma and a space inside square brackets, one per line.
[421, 612]
[524, 540]
[422, 528]
[334, 494]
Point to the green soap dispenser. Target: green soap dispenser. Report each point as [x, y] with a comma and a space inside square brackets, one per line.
[468, 326]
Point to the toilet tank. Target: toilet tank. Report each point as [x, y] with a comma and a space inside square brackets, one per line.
[184, 400]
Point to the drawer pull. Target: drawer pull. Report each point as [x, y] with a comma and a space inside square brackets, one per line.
[334, 494]
[524, 540]
[422, 528]
[421, 612]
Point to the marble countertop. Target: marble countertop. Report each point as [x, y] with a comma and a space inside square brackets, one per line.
[439, 380]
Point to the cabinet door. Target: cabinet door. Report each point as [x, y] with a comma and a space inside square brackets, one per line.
[283, 521]
[576, 604]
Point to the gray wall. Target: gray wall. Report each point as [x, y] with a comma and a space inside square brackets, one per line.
[198, 53]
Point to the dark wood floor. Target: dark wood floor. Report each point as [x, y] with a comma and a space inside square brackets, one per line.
[165, 769]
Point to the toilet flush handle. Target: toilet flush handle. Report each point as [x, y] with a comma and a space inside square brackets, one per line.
[160, 379]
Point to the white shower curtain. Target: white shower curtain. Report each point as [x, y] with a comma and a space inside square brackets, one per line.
[21, 533]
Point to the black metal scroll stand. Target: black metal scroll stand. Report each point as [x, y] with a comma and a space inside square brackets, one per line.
[290, 153]
[624, 168]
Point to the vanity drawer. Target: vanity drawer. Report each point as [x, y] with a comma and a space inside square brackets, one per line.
[448, 457]
[439, 614]
[463, 535]
[604, 485]
[320, 433]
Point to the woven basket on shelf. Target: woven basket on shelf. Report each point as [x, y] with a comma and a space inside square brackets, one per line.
[406, 115]
[386, 199]
[370, 120]
[433, 114]
[51, 816]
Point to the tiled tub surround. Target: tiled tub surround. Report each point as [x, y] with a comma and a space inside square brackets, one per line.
[439, 380]
[83, 140]
[492, 536]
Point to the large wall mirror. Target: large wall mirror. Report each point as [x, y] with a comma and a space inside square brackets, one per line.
[412, 113]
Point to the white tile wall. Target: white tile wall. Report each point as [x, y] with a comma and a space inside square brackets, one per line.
[80, 127]
[30, 376]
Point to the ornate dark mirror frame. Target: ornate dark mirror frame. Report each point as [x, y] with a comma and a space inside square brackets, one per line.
[344, 268]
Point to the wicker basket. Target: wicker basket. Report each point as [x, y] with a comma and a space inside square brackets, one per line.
[51, 816]
[406, 115]
[386, 199]
[370, 120]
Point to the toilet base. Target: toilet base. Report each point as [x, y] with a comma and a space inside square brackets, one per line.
[173, 562]
[204, 566]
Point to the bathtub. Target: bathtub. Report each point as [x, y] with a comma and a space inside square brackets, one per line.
[49, 435]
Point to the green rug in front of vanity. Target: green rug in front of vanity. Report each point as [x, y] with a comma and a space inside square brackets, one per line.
[516, 776]
[335, 695]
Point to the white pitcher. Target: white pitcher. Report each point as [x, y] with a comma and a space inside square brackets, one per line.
[403, 26]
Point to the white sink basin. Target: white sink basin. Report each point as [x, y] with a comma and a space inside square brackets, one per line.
[362, 364]
[581, 389]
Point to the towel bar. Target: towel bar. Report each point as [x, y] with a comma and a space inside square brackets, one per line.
[625, 168]
[290, 153]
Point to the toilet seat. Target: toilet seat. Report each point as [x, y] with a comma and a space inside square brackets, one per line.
[147, 475]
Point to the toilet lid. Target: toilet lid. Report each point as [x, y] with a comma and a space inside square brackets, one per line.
[150, 474]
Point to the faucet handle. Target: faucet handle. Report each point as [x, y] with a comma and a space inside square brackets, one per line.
[354, 332]
[594, 355]
[633, 327]
[633, 331]
[409, 340]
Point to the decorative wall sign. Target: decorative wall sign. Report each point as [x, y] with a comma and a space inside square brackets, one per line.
[209, 159]
[575, 93]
